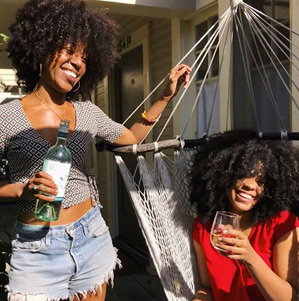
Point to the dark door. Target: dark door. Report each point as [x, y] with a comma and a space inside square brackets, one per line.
[129, 94]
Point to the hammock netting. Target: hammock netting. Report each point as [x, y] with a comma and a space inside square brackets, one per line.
[159, 190]
[165, 217]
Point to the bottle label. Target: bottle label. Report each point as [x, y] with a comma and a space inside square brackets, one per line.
[59, 172]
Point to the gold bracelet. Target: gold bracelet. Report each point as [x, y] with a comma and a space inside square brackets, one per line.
[143, 115]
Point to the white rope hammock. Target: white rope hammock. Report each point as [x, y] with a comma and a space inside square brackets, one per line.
[165, 225]
[160, 192]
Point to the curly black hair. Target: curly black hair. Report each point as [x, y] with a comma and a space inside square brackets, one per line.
[44, 27]
[233, 155]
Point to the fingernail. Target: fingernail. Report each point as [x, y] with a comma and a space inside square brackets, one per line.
[220, 238]
[224, 231]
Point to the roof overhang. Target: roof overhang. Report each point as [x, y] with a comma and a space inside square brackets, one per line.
[173, 4]
[146, 8]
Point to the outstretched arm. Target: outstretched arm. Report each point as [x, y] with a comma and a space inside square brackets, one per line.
[138, 131]
[204, 293]
[281, 283]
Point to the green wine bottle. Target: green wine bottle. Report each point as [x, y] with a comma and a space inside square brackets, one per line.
[57, 164]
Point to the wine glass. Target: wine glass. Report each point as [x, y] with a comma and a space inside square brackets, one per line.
[223, 221]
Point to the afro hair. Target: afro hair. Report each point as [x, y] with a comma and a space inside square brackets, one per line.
[233, 155]
[43, 27]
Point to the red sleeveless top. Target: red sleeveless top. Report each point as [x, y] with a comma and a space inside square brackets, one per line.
[230, 279]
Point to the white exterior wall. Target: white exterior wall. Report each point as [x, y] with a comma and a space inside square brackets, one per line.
[160, 64]
[163, 49]
[102, 160]
[157, 60]
[223, 5]
[167, 41]
[188, 40]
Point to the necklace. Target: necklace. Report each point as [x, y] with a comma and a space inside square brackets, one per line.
[60, 117]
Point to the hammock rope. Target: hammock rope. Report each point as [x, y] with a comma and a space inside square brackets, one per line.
[253, 9]
[264, 77]
[158, 206]
[263, 39]
[182, 60]
[222, 26]
[206, 75]
[219, 73]
[159, 191]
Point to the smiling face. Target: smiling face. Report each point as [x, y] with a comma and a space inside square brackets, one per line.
[66, 69]
[246, 193]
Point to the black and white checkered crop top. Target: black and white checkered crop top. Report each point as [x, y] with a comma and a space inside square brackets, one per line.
[25, 148]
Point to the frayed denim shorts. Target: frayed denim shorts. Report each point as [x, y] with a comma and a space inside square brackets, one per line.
[60, 262]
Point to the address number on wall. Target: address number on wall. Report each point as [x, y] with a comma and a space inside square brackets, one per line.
[124, 43]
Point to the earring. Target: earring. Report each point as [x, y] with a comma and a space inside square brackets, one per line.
[76, 88]
[40, 70]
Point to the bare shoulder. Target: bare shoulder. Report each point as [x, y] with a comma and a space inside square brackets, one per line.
[285, 257]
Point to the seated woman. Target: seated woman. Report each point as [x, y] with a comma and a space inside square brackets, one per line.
[259, 181]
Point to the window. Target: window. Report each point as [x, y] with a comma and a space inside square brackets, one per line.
[278, 10]
[207, 113]
[200, 30]
[252, 102]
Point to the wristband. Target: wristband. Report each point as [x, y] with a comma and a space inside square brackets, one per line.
[143, 115]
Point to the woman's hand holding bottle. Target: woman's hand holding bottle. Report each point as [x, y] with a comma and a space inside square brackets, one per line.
[38, 184]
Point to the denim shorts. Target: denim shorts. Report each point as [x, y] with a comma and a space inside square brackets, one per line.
[60, 262]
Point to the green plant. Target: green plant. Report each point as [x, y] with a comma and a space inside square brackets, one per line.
[4, 39]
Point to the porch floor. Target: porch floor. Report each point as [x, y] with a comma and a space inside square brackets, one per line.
[133, 282]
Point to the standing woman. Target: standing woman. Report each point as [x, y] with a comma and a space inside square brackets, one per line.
[259, 181]
[61, 49]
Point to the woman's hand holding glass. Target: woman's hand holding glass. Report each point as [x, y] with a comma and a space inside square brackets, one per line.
[222, 224]
[228, 239]
[234, 244]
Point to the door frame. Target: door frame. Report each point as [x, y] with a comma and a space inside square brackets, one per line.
[128, 43]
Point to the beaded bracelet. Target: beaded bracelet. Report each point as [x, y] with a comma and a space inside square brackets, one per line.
[143, 115]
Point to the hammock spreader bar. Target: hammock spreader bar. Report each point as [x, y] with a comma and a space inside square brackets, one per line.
[189, 143]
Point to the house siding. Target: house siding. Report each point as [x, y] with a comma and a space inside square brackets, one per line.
[101, 170]
[160, 64]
